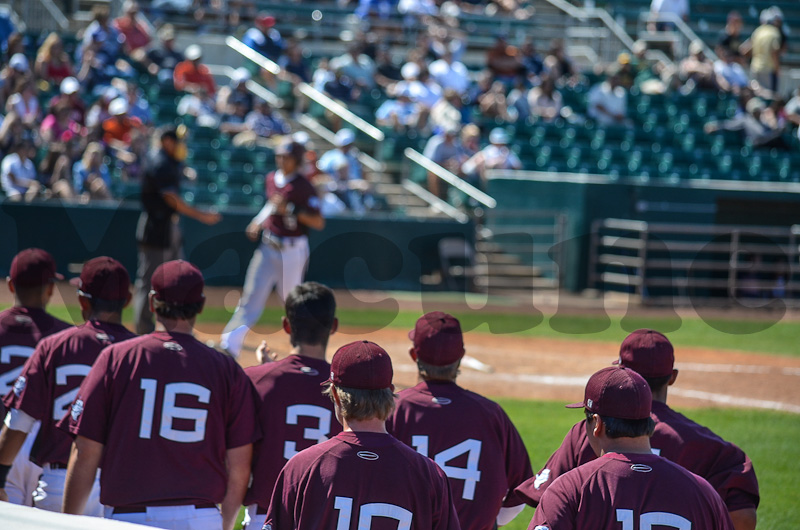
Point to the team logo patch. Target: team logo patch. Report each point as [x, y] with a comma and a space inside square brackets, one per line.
[77, 410]
[309, 371]
[641, 468]
[266, 526]
[19, 385]
[541, 478]
[174, 346]
[367, 455]
[542, 528]
[23, 319]
[589, 403]
[442, 401]
[103, 337]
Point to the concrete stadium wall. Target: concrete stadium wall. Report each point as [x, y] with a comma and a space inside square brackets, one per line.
[379, 253]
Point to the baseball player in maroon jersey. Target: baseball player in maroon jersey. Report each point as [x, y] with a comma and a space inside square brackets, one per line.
[169, 420]
[467, 435]
[31, 281]
[280, 261]
[627, 487]
[293, 411]
[726, 467]
[51, 377]
[363, 478]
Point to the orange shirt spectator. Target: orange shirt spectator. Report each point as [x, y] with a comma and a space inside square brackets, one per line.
[118, 128]
[190, 73]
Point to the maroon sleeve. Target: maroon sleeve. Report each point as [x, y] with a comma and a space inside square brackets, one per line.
[518, 463]
[280, 514]
[558, 507]
[573, 452]
[734, 478]
[31, 392]
[447, 518]
[719, 512]
[243, 426]
[307, 200]
[89, 415]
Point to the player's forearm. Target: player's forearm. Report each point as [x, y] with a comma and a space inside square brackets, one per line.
[239, 460]
[315, 221]
[10, 443]
[81, 471]
[744, 519]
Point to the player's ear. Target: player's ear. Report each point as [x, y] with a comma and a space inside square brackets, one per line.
[599, 426]
[335, 325]
[86, 305]
[202, 305]
[287, 327]
[128, 300]
[673, 377]
[10, 284]
[413, 353]
[150, 296]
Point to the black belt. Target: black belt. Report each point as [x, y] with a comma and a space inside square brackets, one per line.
[57, 465]
[143, 509]
[261, 511]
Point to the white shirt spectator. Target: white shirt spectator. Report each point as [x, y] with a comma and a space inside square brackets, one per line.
[417, 7]
[24, 174]
[361, 69]
[677, 7]
[450, 75]
[731, 72]
[426, 94]
[26, 109]
[544, 106]
[613, 100]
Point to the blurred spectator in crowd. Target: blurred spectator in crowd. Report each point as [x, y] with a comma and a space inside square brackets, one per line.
[138, 107]
[765, 44]
[399, 113]
[607, 102]
[493, 103]
[545, 101]
[470, 139]
[730, 75]
[383, 8]
[356, 65]
[11, 131]
[496, 155]
[322, 75]
[17, 172]
[235, 94]
[55, 171]
[792, 108]
[100, 31]
[417, 8]
[17, 69]
[658, 8]
[532, 62]
[422, 88]
[625, 70]
[387, 71]
[697, 70]
[503, 60]
[90, 176]
[265, 38]
[261, 125]
[295, 66]
[7, 29]
[59, 122]
[753, 124]
[200, 105]
[132, 161]
[24, 102]
[444, 149]
[449, 73]
[98, 112]
[191, 75]
[52, 62]
[447, 39]
[233, 122]
[730, 38]
[96, 69]
[341, 87]
[560, 64]
[652, 77]
[447, 113]
[15, 44]
[163, 58]
[68, 93]
[118, 128]
[135, 35]
[343, 166]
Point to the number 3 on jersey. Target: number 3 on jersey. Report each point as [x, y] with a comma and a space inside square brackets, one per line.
[170, 411]
[318, 435]
[471, 475]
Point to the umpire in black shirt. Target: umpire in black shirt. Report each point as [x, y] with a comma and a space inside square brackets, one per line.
[158, 234]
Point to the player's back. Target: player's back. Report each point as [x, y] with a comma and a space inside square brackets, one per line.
[630, 491]
[21, 329]
[172, 406]
[51, 378]
[294, 413]
[361, 480]
[471, 439]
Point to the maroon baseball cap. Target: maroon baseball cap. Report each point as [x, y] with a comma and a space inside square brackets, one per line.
[178, 282]
[33, 267]
[617, 392]
[647, 352]
[437, 339]
[104, 278]
[363, 365]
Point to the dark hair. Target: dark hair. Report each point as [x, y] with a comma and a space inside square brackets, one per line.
[177, 311]
[439, 373]
[311, 309]
[100, 305]
[657, 383]
[623, 428]
[169, 132]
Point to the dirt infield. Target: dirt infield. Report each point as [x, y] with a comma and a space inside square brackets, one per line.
[556, 369]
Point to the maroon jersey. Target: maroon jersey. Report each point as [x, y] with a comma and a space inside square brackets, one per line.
[294, 414]
[627, 492]
[21, 329]
[297, 191]
[361, 480]
[50, 381]
[172, 406]
[472, 440]
[726, 467]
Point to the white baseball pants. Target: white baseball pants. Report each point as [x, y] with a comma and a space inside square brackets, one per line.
[50, 493]
[172, 517]
[24, 476]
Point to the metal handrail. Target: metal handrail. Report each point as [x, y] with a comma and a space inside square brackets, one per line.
[434, 201]
[455, 181]
[329, 136]
[681, 26]
[306, 89]
[252, 86]
[56, 13]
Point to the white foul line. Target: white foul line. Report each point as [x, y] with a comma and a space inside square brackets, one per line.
[735, 400]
